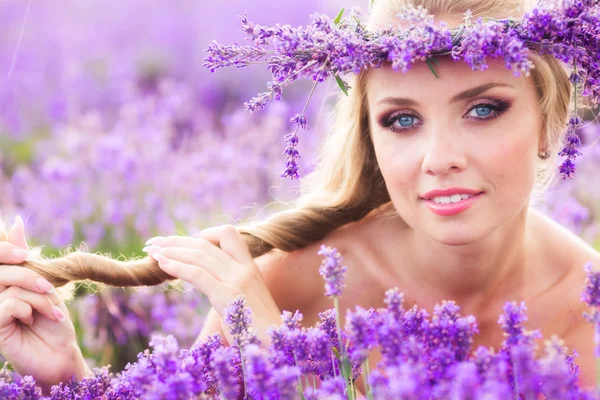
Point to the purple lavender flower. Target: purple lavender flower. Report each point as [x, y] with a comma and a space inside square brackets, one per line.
[300, 120]
[292, 321]
[394, 299]
[591, 292]
[292, 155]
[511, 322]
[321, 356]
[258, 377]
[558, 379]
[466, 382]
[238, 319]
[196, 362]
[570, 151]
[224, 364]
[281, 352]
[333, 388]
[299, 347]
[360, 328]
[332, 271]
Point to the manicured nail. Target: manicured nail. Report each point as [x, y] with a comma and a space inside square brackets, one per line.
[20, 253]
[155, 240]
[162, 260]
[19, 220]
[151, 249]
[58, 314]
[44, 285]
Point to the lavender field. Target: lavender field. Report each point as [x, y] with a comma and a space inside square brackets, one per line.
[112, 131]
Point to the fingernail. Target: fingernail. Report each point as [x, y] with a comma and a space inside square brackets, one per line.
[162, 260]
[58, 314]
[44, 285]
[20, 253]
[151, 249]
[155, 240]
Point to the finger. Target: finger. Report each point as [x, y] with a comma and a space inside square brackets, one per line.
[190, 243]
[39, 302]
[14, 275]
[230, 241]
[11, 309]
[7, 255]
[196, 258]
[16, 233]
[200, 278]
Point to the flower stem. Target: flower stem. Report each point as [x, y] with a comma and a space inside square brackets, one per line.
[243, 370]
[366, 379]
[299, 377]
[343, 354]
[516, 378]
[597, 340]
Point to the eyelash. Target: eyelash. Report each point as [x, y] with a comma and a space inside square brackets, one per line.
[498, 107]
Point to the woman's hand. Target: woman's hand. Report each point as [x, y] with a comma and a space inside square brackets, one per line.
[36, 334]
[218, 263]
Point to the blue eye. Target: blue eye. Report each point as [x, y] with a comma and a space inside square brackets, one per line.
[481, 110]
[408, 121]
[405, 120]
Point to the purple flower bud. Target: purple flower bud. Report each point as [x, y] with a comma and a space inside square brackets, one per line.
[238, 319]
[360, 328]
[320, 352]
[511, 322]
[300, 120]
[332, 271]
[223, 364]
[258, 377]
[591, 291]
[394, 300]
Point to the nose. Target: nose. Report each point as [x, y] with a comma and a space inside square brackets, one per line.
[443, 154]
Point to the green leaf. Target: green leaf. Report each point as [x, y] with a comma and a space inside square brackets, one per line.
[347, 367]
[336, 352]
[341, 84]
[339, 17]
[431, 68]
[435, 61]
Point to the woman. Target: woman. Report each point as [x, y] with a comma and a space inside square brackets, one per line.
[423, 184]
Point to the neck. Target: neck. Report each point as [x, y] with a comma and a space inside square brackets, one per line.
[474, 275]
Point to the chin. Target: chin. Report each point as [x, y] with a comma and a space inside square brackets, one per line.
[457, 235]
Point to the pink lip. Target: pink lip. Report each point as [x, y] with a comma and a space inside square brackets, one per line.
[452, 208]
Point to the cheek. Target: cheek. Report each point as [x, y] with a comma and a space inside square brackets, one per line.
[512, 164]
[399, 166]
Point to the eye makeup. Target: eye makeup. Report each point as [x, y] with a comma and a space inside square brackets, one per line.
[498, 106]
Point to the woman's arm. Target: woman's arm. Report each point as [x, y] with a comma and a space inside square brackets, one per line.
[212, 325]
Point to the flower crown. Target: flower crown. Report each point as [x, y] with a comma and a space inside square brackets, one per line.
[568, 30]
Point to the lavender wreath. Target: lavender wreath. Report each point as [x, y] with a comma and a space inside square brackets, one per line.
[568, 30]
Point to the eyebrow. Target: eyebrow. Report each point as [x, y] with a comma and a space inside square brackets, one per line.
[465, 95]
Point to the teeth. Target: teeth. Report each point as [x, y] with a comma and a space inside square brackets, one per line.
[450, 199]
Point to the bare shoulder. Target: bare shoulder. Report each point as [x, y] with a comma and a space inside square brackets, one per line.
[564, 255]
[562, 246]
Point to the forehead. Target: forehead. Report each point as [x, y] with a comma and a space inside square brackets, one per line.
[419, 82]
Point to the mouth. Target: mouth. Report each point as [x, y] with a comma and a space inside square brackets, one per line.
[451, 205]
[455, 198]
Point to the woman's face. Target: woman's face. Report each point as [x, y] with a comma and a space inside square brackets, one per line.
[475, 133]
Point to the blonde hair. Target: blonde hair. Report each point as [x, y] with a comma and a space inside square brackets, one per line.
[346, 184]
